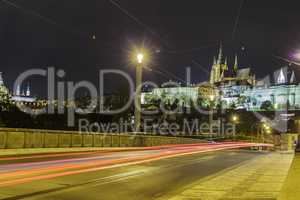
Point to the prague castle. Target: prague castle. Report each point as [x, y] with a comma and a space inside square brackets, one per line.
[236, 87]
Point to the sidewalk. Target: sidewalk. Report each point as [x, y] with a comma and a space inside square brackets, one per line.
[291, 188]
[260, 178]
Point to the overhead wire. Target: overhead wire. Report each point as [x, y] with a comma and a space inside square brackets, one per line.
[44, 18]
[237, 20]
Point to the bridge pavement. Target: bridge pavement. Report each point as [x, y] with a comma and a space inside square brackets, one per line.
[260, 178]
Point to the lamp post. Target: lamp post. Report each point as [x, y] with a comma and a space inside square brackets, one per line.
[211, 112]
[266, 130]
[138, 85]
[235, 119]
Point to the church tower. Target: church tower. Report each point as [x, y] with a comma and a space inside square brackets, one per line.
[235, 67]
[217, 68]
[3, 89]
[28, 91]
[1, 80]
[212, 72]
[18, 92]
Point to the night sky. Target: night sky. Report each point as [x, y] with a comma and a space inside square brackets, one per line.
[38, 34]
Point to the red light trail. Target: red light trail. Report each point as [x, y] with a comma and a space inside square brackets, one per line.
[19, 173]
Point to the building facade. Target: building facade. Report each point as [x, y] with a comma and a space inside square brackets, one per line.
[236, 87]
[17, 97]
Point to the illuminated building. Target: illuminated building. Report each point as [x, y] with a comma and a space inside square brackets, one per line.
[237, 88]
[18, 96]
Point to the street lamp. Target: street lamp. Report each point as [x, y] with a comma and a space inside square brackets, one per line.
[138, 85]
[235, 118]
[268, 129]
[265, 129]
[140, 58]
[211, 112]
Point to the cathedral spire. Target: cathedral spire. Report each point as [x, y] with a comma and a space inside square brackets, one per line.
[293, 78]
[18, 92]
[28, 90]
[1, 79]
[281, 77]
[225, 65]
[215, 61]
[235, 67]
[220, 54]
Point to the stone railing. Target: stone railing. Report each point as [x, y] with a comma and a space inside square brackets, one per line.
[11, 138]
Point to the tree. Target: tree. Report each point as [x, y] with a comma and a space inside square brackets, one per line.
[267, 105]
[5, 102]
[242, 100]
[232, 106]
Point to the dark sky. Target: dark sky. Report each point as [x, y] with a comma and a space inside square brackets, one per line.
[38, 34]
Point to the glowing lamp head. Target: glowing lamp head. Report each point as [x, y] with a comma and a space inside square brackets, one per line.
[235, 118]
[140, 58]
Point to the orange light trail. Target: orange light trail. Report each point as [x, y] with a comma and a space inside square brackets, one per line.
[129, 158]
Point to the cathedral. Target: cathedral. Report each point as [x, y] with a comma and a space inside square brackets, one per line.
[222, 74]
[237, 88]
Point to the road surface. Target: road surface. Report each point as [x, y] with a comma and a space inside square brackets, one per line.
[145, 173]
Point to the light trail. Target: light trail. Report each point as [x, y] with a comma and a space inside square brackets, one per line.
[51, 155]
[87, 151]
[46, 170]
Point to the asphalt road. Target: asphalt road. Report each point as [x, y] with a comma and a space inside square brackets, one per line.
[139, 174]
